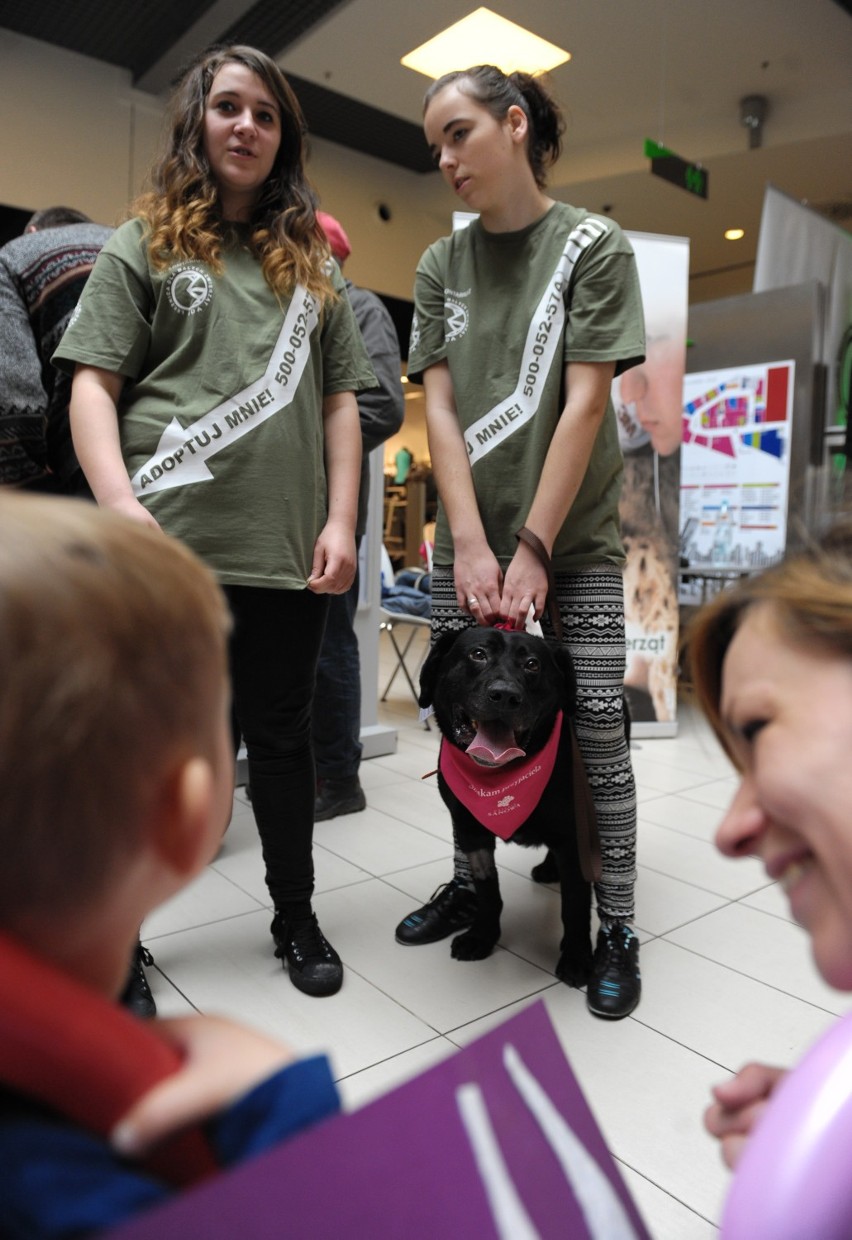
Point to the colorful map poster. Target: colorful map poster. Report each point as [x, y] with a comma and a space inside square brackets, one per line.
[735, 466]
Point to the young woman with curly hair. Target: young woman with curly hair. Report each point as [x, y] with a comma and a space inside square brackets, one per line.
[215, 365]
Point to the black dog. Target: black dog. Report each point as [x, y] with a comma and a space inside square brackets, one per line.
[497, 696]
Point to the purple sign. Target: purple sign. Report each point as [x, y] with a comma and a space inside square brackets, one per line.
[496, 1141]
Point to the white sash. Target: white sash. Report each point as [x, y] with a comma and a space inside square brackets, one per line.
[543, 342]
[182, 453]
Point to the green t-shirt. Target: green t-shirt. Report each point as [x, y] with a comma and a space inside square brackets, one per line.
[221, 416]
[508, 311]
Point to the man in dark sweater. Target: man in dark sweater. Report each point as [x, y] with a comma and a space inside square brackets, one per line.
[337, 702]
[42, 274]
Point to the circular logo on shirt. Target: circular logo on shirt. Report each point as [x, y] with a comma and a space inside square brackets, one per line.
[457, 319]
[189, 289]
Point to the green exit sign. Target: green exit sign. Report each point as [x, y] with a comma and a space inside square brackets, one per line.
[664, 163]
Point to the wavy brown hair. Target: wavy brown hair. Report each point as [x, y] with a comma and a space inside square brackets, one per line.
[181, 207]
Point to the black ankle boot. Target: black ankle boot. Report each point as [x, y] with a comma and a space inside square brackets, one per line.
[136, 995]
[615, 986]
[313, 964]
[451, 908]
[339, 796]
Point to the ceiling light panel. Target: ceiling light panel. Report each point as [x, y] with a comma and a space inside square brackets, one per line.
[484, 38]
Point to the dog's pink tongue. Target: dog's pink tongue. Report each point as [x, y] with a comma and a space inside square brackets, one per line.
[494, 745]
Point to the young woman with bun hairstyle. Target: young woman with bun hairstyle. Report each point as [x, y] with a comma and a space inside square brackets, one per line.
[522, 319]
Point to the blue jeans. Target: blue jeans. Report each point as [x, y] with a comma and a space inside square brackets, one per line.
[274, 649]
[337, 702]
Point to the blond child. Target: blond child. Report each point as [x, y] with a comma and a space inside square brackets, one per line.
[116, 779]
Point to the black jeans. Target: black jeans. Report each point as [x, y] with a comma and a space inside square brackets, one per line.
[274, 649]
[337, 701]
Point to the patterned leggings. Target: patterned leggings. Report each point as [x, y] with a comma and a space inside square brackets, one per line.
[591, 604]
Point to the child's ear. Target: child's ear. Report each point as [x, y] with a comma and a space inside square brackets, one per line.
[181, 827]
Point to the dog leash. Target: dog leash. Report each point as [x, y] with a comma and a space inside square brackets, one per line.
[588, 838]
[534, 542]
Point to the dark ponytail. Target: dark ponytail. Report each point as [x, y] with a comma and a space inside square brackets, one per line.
[498, 92]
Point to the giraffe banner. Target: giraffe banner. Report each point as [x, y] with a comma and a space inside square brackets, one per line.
[647, 401]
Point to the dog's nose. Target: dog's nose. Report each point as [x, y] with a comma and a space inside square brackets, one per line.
[501, 693]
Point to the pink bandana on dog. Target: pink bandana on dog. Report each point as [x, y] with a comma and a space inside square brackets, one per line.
[500, 798]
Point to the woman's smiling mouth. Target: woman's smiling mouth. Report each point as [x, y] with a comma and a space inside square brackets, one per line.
[793, 872]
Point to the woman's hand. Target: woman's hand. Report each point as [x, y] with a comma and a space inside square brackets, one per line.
[739, 1104]
[335, 560]
[524, 586]
[479, 583]
[223, 1061]
[130, 507]
[93, 416]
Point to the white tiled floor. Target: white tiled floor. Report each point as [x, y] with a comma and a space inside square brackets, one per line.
[726, 975]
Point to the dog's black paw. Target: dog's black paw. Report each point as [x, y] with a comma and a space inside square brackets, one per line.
[574, 971]
[472, 946]
[547, 871]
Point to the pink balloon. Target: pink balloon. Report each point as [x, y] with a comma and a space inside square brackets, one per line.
[794, 1180]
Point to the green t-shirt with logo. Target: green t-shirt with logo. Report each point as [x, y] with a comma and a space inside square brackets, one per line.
[220, 418]
[508, 311]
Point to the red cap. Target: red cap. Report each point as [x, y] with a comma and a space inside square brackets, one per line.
[335, 235]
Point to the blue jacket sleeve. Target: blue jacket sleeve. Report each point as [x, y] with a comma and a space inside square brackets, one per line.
[58, 1182]
[299, 1095]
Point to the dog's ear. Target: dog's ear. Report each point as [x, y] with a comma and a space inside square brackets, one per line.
[565, 665]
[432, 666]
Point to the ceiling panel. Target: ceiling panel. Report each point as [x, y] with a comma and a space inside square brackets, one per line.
[129, 35]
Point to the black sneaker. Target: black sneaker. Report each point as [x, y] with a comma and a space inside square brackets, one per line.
[313, 964]
[615, 986]
[450, 908]
[136, 995]
[338, 796]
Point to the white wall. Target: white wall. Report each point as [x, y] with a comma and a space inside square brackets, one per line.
[384, 255]
[75, 131]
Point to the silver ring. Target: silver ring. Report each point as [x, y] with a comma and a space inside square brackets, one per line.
[473, 599]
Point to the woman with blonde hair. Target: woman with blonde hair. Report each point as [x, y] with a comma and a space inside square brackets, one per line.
[771, 661]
